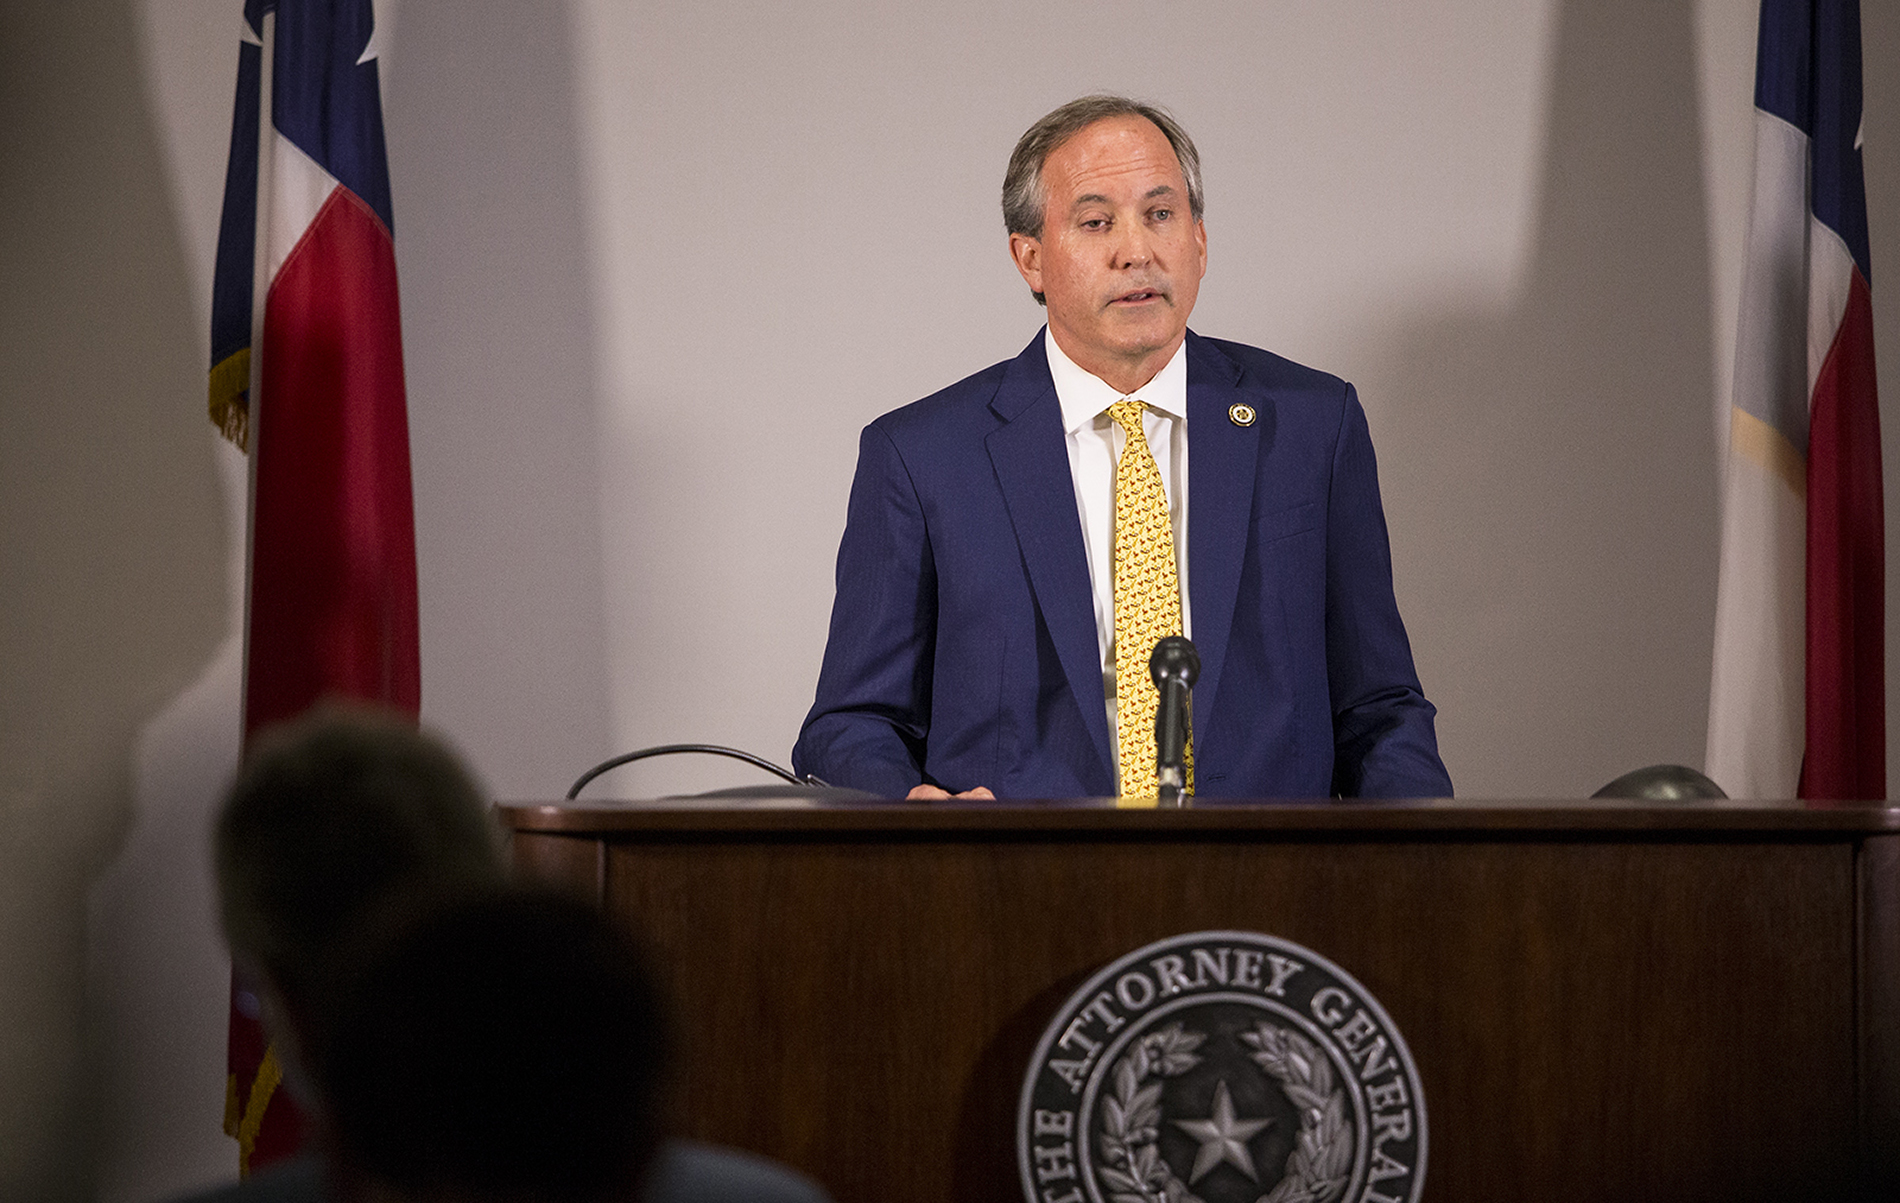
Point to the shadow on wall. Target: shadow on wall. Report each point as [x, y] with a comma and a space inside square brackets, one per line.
[498, 336]
[1557, 564]
[112, 546]
[1880, 45]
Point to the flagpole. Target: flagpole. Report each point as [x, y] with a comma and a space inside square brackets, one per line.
[260, 291]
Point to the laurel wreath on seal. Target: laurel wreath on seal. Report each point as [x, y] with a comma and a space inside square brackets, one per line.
[1131, 1117]
[1322, 1153]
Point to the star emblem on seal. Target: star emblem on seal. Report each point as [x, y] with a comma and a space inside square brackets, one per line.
[1222, 1067]
[1223, 1137]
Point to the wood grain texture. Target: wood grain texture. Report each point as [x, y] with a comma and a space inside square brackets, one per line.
[1880, 1015]
[1099, 817]
[575, 865]
[1594, 1015]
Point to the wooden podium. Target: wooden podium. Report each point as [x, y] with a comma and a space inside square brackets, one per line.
[1604, 1000]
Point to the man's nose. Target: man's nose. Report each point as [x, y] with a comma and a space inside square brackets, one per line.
[1135, 247]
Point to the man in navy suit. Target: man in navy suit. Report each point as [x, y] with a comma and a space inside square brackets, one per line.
[971, 640]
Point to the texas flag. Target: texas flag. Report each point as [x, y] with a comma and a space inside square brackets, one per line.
[1797, 700]
[306, 373]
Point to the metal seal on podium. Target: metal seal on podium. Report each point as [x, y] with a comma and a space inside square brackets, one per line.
[1222, 1067]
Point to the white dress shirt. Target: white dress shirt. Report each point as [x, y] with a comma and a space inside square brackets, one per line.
[1095, 445]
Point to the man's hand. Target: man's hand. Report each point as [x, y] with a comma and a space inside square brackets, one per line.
[932, 793]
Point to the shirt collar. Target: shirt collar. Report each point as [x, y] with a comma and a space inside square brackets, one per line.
[1084, 395]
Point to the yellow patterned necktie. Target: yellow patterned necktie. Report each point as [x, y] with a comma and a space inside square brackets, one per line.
[1147, 603]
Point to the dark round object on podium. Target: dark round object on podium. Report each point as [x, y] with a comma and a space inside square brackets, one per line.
[1662, 783]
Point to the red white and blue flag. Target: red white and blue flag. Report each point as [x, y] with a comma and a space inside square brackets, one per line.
[1797, 703]
[306, 373]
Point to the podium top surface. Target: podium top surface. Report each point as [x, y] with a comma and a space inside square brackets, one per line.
[819, 816]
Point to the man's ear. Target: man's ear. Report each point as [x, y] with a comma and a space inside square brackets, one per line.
[1027, 254]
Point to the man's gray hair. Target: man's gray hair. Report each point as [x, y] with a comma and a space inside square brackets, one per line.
[1024, 196]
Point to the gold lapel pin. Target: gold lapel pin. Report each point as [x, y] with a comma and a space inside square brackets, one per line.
[1241, 414]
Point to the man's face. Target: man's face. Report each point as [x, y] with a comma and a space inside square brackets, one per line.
[1121, 257]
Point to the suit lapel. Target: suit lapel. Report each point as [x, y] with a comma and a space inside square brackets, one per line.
[1222, 461]
[1030, 455]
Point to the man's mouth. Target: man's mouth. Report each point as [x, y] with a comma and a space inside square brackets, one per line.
[1138, 296]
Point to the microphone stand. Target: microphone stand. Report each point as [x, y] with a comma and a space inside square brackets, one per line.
[1174, 665]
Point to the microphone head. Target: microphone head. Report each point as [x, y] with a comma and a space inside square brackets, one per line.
[1174, 658]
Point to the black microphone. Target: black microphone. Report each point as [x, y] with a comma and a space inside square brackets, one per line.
[1174, 665]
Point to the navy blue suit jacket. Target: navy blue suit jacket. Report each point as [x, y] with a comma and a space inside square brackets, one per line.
[963, 649]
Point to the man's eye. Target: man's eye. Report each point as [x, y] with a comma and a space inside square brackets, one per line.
[1095, 223]
[1162, 214]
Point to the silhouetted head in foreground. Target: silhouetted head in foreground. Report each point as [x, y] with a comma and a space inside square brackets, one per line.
[497, 1050]
[334, 819]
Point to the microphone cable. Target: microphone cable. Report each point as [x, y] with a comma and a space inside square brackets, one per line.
[785, 774]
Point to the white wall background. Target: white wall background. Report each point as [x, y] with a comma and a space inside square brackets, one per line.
[661, 262]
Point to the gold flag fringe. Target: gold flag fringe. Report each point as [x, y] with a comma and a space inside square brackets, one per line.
[269, 1076]
[231, 398]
